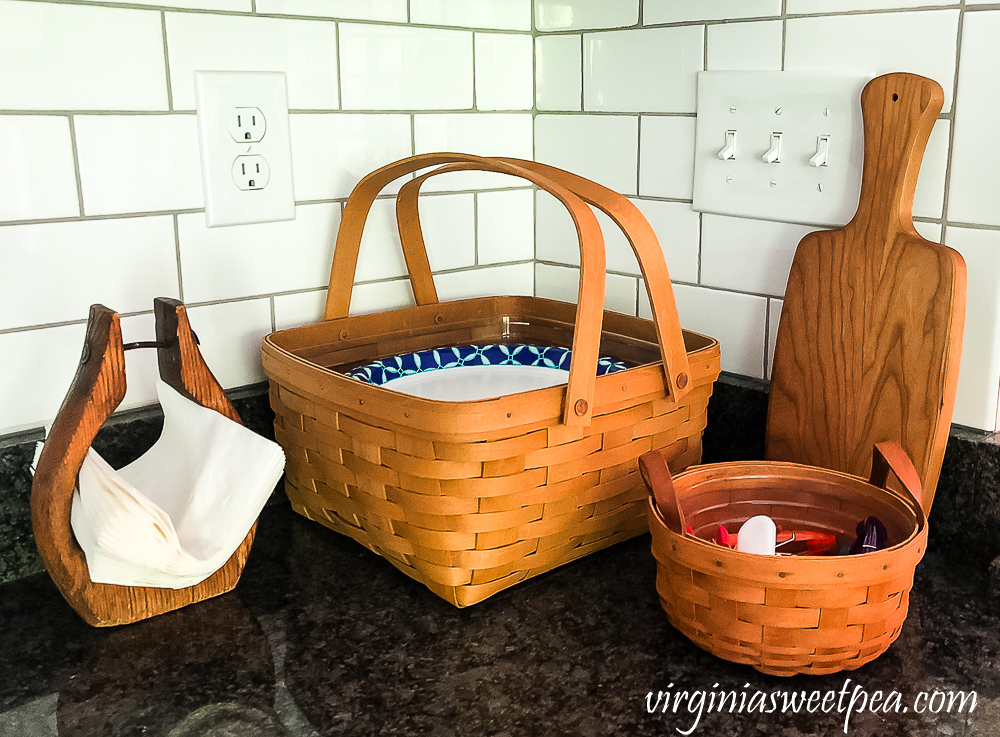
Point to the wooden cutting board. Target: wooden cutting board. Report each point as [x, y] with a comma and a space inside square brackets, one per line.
[870, 336]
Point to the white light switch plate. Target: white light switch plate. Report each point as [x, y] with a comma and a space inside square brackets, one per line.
[246, 159]
[751, 108]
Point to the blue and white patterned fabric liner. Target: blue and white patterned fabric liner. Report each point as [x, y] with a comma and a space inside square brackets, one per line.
[380, 372]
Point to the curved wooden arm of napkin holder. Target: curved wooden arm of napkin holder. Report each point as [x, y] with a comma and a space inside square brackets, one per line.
[96, 391]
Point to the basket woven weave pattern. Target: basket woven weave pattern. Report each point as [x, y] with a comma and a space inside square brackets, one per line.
[471, 519]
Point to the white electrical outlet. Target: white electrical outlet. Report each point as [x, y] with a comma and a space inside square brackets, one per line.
[782, 146]
[246, 157]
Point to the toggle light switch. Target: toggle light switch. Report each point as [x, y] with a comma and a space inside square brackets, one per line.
[729, 152]
[773, 154]
[816, 109]
[822, 155]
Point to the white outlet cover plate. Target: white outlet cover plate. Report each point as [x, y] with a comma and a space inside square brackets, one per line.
[810, 105]
[218, 95]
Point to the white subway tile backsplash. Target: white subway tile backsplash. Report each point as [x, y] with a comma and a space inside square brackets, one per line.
[836, 6]
[236, 6]
[503, 71]
[563, 283]
[331, 152]
[448, 223]
[381, 296]
[514, 279]
[38, 180]
[231, 335]
[748, 255]
[930, 231]
[650, 70]
[979, 375]
[558, 72]
[53, 272]
[678, 11]
[511, 15]
[600, 147]
[745, 46]
[138, 163]
[405, 68]
[678, 229]
[306, 50]
[482, 134]
[36, 381]
[928, 200]
[918, 42]
[249, 260]
[569, 15]
[505, 226]
[141, 367]
[381, 255]
[666, 156]
[301, 308]
[386, 10]
[557, 239]
[737, 321]
[47, 63]
[974, 190]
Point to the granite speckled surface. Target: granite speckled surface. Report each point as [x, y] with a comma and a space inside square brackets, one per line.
[322, 637]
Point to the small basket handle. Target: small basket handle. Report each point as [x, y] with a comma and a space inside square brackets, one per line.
[889, 456]
[655, 473]
[622, 212]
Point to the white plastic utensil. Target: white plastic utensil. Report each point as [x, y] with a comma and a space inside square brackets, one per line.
[758, 535]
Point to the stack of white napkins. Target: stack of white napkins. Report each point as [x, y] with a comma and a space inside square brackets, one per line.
[173, 517]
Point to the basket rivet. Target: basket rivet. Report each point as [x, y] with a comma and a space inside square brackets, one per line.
[718, 563]
[581, 407]
[885, 568]
[782, 574]
[406, 414]
[439, 318]
[361, 401]
[682, 381]
[840, 575]
[343, 335]
[508, 414]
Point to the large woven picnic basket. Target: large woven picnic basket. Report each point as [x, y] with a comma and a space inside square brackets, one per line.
[786, 614]
[471, 497]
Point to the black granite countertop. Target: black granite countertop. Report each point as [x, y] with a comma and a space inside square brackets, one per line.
[322, 637]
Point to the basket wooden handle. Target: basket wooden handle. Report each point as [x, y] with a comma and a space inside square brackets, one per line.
[622, 212]
[655, 473]
[579, 404]
[889, 456]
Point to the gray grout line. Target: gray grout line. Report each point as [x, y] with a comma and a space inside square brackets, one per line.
[166, 62]
[701, 228]
[946, 199]
[784, 31]
[177, 252]
[704, 49]
[76, 164]
[276, 16]
[340, 70]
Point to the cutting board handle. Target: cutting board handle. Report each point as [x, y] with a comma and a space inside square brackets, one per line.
[899, 113]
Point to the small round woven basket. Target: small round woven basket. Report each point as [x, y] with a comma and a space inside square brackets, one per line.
[786, 614]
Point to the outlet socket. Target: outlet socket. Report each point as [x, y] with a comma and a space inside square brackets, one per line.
[246, 180]
[251, 172]
[247, 125]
